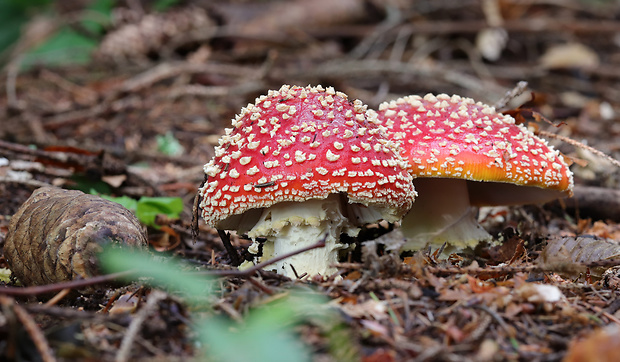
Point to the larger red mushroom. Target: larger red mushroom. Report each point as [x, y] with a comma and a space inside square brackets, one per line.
[300, 165]
[465, 154]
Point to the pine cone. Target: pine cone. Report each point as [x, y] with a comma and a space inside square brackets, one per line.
[134, 42]
[56, 234]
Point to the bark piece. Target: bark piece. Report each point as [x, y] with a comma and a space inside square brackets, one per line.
[56, 234]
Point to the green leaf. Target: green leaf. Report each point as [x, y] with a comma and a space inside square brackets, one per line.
[102, 8]
[161, 5]
[266, 336]
[88, 185]
[12, 18]
[167, 273]
[126, 201]
[65, 47]
[149, 207]
[169, 145]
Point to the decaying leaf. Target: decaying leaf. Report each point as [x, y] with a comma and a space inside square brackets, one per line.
[600, 345]
[56, 234]
[571, 256]
[572, 55]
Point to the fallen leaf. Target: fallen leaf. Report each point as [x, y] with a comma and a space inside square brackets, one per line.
[600, 345]
[571, 55]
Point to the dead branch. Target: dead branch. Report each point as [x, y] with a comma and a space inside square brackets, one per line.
[511, 94]
[594, 202]
[368, 68]
[56, 287]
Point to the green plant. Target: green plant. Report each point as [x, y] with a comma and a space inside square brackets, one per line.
[13, 15]
[147, 208]
[266, 334]
[169, 145]
[65, 45]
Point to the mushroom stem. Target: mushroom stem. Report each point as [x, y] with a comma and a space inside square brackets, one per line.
[290, 226]
[442, 214]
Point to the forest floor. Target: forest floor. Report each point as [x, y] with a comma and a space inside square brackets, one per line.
[161, 87]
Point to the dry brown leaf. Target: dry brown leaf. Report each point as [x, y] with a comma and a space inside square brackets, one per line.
[56, 234]
[601, 345]
[607, 230]
[572, 55]
[570, 256]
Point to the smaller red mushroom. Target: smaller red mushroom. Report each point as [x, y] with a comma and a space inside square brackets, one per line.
[300, 165]
[463, 154]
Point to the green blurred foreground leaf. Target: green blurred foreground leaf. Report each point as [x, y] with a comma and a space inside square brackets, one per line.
[267, 334]
[258, 340]
[166, 273]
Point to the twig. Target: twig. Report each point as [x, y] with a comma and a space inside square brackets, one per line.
[56, 287]
[195, 211]
[511, 94]
[132, 331]
[35, 184]
[392, 19]
[235, 259]
[80, 283]
[249, 271]
[260, 286]
[31, 327]
[482, 271]
[369, 68]
[58, 297]
[572, 142]
[75, 314]
[173, 69]
[99, 160]
[497, 317]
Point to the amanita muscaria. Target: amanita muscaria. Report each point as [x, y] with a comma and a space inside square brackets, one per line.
[465, 154]
[300, 165]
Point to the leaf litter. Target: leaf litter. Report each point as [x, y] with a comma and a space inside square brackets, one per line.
[117, 124]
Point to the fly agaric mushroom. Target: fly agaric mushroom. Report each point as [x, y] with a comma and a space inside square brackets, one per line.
[300, 165]
[465, 154]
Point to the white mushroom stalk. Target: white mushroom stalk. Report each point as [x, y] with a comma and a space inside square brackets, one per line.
[290, 226]
[441, 214]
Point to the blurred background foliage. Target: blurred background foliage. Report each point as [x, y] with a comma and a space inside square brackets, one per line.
[46, 32]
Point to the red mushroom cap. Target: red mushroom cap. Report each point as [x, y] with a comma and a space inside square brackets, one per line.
[455, 137]
[302, 143]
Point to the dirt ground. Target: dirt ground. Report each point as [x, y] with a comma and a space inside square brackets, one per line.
[177, 77]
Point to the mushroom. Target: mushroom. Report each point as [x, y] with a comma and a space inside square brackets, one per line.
[464, 154]
[300, 165]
